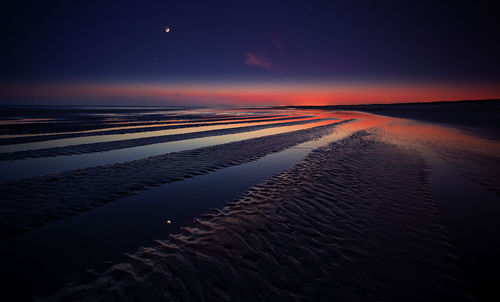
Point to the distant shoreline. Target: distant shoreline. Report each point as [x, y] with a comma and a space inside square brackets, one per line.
[479, 116]
[375, 106]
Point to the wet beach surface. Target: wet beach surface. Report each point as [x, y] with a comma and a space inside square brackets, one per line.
[354, 206]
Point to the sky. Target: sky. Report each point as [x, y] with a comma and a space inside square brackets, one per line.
[247, 52]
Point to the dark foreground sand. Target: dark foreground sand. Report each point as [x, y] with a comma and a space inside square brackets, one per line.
[332, 228]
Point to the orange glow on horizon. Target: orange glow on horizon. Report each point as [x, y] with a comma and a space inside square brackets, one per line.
[257, 94]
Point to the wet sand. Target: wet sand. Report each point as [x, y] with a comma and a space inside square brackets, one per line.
[329, 228]
[66, 241]
[116, 133]
[134, 142]
[16, 120]
[62, 192]
[369, 217]
[479, 117]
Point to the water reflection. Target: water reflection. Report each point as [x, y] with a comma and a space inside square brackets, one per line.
[126, 136]
[35, 166]
[157, 124]
[62, 246]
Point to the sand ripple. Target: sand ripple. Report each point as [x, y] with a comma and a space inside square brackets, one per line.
[33, 201]
[353, 222]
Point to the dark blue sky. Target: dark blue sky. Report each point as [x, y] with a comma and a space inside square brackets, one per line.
[353, 39]
[226, 41]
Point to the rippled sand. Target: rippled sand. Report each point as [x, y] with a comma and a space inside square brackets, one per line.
[70, 192]
[353, 222]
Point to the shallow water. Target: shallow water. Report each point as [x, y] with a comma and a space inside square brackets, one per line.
[150, 125]
[115, 137]
[30, 167]
[462, 180]
[63, 247]
[322, 229]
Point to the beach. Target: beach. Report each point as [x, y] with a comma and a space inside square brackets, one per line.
[246, 204]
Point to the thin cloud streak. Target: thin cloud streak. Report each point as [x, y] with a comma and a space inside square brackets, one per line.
[260, 61]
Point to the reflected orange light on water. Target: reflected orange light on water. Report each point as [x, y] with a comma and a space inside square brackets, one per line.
[411, 132]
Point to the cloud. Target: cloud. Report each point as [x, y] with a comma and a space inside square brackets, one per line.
[260, 61]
